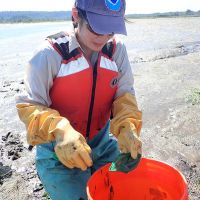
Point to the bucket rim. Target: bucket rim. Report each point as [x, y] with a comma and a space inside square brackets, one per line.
[143, 159]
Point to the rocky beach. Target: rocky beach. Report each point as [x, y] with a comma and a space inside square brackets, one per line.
[165, 58]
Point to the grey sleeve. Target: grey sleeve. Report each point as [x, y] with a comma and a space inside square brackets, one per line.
[126, 80]
[39, 75]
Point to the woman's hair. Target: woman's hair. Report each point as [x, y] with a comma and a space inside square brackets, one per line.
[128, 21]
[82, 15]
[75, 24]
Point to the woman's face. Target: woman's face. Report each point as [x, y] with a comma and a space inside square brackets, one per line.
[89, 39]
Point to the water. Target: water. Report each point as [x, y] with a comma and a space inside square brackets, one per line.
[25, 38]
[11, 31]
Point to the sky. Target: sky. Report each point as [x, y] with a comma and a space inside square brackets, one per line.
[133, 6]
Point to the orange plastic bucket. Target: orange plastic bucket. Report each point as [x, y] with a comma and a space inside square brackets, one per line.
[151, 180]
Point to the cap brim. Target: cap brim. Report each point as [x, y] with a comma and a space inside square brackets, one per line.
[103, 24]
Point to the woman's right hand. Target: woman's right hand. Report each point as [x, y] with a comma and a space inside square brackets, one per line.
[72, 150]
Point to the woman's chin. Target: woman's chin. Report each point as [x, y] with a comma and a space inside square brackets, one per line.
[96, 47]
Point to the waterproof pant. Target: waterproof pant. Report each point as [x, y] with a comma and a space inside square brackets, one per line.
[62, 183]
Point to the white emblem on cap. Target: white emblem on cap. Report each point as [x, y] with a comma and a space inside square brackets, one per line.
[113, 5]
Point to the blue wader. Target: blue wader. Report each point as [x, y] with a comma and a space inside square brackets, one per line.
[62, 183]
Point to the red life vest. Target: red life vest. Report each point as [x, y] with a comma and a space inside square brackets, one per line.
[83, 93]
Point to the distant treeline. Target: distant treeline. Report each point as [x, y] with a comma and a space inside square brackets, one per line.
[187, 13]
[44, 16]
[33, 16]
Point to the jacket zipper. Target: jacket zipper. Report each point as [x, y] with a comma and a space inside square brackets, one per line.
[92, 101]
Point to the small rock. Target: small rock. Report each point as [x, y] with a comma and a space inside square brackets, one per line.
[4, 138]
[16, 156]
[38, 187]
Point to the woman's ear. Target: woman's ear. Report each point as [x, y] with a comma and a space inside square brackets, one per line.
[75, 15]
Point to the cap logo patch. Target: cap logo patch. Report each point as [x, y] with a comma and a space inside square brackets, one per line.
[113, 5]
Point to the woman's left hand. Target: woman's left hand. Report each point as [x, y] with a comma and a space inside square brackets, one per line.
[129, 142]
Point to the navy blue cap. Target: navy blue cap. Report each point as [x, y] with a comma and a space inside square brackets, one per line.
[104, 16]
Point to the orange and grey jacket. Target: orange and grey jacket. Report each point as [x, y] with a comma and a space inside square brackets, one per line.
[80, 90]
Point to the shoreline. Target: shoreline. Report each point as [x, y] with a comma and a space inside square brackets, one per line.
[129, 18]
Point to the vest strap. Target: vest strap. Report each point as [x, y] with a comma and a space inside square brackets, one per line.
[63, 47]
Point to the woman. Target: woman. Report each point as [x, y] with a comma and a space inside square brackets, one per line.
[74, 84]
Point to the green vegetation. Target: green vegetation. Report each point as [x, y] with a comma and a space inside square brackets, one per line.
[194, 96]
[45, 196]
[44, 16]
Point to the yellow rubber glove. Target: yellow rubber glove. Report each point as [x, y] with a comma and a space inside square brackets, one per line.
[126, 124]
[40, 122]
[44, 125]
[72, 149]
